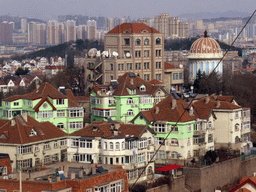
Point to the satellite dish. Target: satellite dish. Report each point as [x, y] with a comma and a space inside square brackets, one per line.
[105, 53]
[181, 66]
[98, 54]
[128, 54]
[92, 52]
[115, 54]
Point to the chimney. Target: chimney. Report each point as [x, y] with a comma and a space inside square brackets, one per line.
[81, 173]
[115, 133]
[72, 175]
[131, 81]
[13, 122]
[25, 116]
[218, 103]
[117, 126]
[174, 103]
[207, 99]
[50, 179]
[157, 110]
[214, 97]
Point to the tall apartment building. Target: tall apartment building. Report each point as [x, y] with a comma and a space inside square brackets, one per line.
[6, 29]
[24, 25]
[140, 51]
[91, 29]
[110, 24]
[32, 29]
[41, 33]
[60, 33]
[170, 26]
[70, 30]
[52, 34]
[81, 32]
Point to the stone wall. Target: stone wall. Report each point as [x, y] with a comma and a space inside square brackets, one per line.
[217, 175]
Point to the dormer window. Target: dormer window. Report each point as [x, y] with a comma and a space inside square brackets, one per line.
[32, 133]
[16, 104]
[191, 111]
[129, 101]
[60, 102]
[133, 91]
[143, 88]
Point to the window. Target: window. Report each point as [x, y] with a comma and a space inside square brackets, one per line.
[237, 127]
[175, 76]
[76, 113]
[143, 143]
[209, 124]
[188, 142]
[44, 114]
[75, 125]
[111, 146]
[126, 41]
[133, 91]
[24, 149]
[137, 66]
[146, 65]
[180, 75]
[146, 53]
[129, 101]
[137, 53]
[55, 144]
[63, 142]
[146, 42]
[174, 142]
[158, 41]
[146, 77]
[89, 190]
[175, 129]
[46, 146]
[137, 42]
[47, 159]
[130, 144]
[130, 113]
[120, 67]
[161, 154]
[89, 144]
[105, 145]
[142, 88]
[60, 102]
[6, 103]
[158, 65]
[158, 53]
[61, 113]
[60, 125]
[174, 155]
[159, 141]
[141, 157]
[123, 145]
[36, 148]
[111, 67]
[129, 66]
[189, 127]
[117, 146]
[159, 127]
[145, 100]
[236, 115]
[210, 138]
[16, 104]
[158, 76]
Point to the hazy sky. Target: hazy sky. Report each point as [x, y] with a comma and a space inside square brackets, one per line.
[47, 9]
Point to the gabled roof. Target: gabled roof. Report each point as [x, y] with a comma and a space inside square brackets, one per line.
[132, 28]
[155, 82]
[38, 105]
[131, 81]
[244, 181]
[163, 112]
[169, 66]
[19, 133]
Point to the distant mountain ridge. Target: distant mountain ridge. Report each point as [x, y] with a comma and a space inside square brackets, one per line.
[210, 15]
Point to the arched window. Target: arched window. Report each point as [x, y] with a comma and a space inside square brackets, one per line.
[237, 139]
[111, 146]
[137, 42]
[150, 170]
[237, 127]
[60, 125]
[129, 101]
[146, 42]
[117, 146]
[158, 41]
[130, 112]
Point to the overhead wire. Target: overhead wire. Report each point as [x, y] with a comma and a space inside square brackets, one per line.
[199, 91]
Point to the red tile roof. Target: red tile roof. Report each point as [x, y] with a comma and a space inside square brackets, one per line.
[36, 108]
[244, 181]
[132, 28]
[155, 82]
[19, 133]
[163, 111]
[169, 66]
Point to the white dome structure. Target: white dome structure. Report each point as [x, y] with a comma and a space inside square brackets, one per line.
[205, 53]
